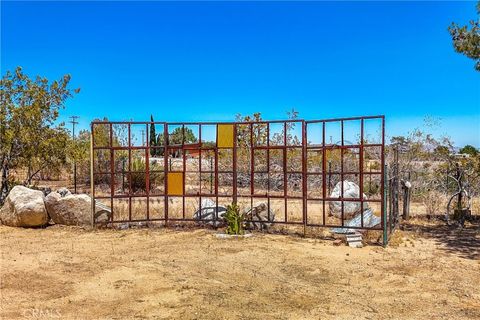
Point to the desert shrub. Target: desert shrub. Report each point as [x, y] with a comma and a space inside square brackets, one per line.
[234, 219]
[434, 202]
[138, 175]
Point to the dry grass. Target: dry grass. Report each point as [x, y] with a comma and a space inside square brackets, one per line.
[428, 273]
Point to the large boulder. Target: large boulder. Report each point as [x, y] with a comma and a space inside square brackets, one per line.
[73, 209]
[260, 217]
[350, 208]
[24, 207]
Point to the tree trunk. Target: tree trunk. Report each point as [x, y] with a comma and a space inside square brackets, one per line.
[4, 180]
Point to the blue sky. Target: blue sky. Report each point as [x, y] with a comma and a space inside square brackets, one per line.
[209, 61]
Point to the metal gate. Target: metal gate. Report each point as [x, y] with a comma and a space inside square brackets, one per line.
[303, 172]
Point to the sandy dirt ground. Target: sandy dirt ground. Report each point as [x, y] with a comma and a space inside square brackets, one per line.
[428, 272]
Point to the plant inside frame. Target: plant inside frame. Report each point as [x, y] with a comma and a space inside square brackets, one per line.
[235, 220]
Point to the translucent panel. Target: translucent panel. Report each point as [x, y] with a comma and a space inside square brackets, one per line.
[260, 160]
[175, 135]
[372, 159]
[120, 160]
[243, 159]
[277, 206]
[351, 132]
[101, 160]
[120, 210]
[259, 134]
[295, 185]
[192, 183]
[225, 184]
[157, 207]
[209, 136]
[208, 183]
[315, 186]
[243, 183]
[331, 182]
[157, 183]
[175, 183]
[138, 135]
[294, 159]
[175, 160]
[372, 186]
[333, 133]
[276, 184]
[243, 136]
[315, 134]
[333, 160]
[314, 212]
[294, 133]
[208, 160]
[102, 184]
[138, 184]
[192, 135]
[276, 134]
[294, 210]
[314, 160]
[192, 160]
[192, 205]
[372, 131]
[225, 136]
[101, 135]
[276, 160]
[139, 208]
[351, 160]
[121, 186]
[225, 160]
[260, 183]
[120, 135]
[175, 207]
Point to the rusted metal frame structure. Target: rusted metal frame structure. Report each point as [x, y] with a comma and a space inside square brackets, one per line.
[324, 148]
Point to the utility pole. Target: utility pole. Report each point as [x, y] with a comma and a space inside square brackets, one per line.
[74, 121]
[143, 137]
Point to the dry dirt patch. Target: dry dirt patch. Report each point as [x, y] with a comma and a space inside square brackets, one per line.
[164, 274]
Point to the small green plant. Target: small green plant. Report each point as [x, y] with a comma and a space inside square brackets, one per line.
[234, 220]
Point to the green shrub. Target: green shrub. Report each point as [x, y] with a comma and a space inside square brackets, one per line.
[234, 219]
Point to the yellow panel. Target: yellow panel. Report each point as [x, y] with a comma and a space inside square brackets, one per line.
[175, 184]
[225, 136]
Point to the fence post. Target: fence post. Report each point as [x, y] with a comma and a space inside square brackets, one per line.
[406, 199]
[384, 209]
[92, 186]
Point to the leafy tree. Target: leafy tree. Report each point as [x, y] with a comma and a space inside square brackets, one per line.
[467, 41]
[29, 109]
[153, 138]
[468, 149]
[176, 137]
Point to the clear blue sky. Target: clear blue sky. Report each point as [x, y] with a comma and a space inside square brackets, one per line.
[210, 61]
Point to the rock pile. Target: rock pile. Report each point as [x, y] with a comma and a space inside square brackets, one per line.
[25, 207]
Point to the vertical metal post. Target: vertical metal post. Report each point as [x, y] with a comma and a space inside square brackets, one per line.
[383, 186]
[147, 168]
[235, 163]
[324, 168]
[165, 170]
[361, 171]
[384, 207]
[285, 176]
[92, 185]
[304, 175]
[112, 174]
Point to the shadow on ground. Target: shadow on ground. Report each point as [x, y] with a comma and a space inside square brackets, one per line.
[463, 242]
